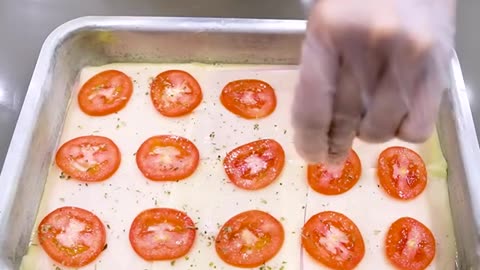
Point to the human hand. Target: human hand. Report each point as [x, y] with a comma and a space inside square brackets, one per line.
[375, 69]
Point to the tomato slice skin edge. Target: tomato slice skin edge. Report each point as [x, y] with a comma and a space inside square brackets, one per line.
[187, 151]
[230, 245]
[175, 224]
[50, 222]
[99, 172]
[321, 223]
[240, 164]
[351, 173]
[173, 108]
[392, 161]
[403, 237]
[231, 101]
[84, 95]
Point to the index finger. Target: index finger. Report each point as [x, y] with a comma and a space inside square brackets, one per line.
[312, 103]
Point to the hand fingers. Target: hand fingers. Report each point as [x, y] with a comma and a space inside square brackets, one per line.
[391, 100]
[386, 112]
[421, 119]
[347, 113]
[354, 80]
[312, 104]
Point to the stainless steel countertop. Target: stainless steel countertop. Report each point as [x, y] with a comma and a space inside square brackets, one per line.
[24, 25]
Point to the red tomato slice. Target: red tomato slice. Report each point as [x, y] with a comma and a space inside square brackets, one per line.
[105, 93]
[255, 165]
[162, 234]
[167, 158]
[336, 182]
[175, 93]
[410, 245]
[89, 158]
[334, 240]
[249, 98]
[402, 172]
[249, 239]
[72, 236]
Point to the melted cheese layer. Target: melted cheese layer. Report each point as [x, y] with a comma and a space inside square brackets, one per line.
[207, 196]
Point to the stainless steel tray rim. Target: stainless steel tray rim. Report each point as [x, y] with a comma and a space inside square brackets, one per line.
[23, 134]
[178, 24]
[469, 144]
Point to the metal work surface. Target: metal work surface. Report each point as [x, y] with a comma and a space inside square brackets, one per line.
[95, 41]
[24, 25]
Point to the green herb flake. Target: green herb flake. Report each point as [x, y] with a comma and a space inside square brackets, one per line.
[256, 127]
[172, 263]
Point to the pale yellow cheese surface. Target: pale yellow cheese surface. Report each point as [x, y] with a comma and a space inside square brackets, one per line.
[208, 197]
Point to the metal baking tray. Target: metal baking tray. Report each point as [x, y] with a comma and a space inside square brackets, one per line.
[101, 40]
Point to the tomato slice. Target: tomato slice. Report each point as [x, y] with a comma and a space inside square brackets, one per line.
[249, 239]
[409, 244]
[402, 172]
[334, 240]
[337, 181]
[72, 236]
[162, 234]
[89, 158]
[249, 98]
[105, 93]
[175, 93]
[167, 158]
[255, 165]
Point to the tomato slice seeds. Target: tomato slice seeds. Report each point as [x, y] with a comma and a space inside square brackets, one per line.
[333, 182]
[402, 173]
[255, 165]
[409, 244]
[249, 98]
[105, 93]
[71, 236]
[175, 93]
[249, 239]
[167, 158]
[333, 240]
[162, 234]
[89, 158]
